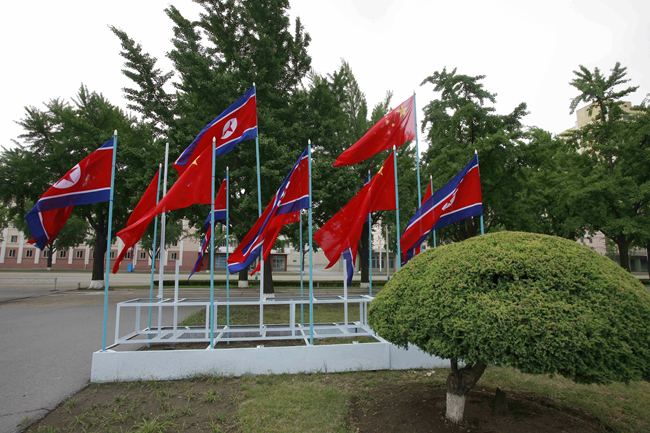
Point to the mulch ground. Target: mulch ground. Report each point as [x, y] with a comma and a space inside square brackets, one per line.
[419, 408]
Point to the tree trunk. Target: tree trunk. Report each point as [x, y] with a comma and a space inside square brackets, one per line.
[97, 279]
[623, 252]
[49, 257]
[268, 276]
[243, 278]
[459, 382]
[362, 257]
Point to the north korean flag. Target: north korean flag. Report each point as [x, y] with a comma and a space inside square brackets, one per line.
[234, 125]
[87, 182]
[284, 208]
[461, 198]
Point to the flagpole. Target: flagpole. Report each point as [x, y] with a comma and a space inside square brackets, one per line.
[345, 288]
[302, 267]
[398, 262]
[417, 151]
[257, 160]
[212, 235]
[434, 230]
[369, 248]
[311, 254]
[153, 251]
[107, 270]
[387, 255]
[163, 226]
[481, 219]
[227, 246]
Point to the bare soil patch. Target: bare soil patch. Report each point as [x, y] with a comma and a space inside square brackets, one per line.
[420, 408]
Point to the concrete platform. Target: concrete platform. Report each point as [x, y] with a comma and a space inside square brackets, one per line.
[113, 366]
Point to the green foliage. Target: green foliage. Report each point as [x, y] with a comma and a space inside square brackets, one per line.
[612, 174]
[58, 137]
[534, 302]
[460, 120]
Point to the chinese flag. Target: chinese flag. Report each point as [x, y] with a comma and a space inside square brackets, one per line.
[344, 229]
[394, 129]
[192, 187]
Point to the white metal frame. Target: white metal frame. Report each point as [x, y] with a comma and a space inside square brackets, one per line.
[173, 333]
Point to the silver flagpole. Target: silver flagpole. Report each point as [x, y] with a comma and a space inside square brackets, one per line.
[163, 221]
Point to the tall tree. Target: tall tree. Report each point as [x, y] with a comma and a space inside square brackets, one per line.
[59, 136]
[232, 45]
[616, 157]
[462, 119]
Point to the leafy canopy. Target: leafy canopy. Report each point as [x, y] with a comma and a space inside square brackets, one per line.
[534, 302]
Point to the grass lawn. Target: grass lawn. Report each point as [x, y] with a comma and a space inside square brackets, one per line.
[273, 314]
[345, 403]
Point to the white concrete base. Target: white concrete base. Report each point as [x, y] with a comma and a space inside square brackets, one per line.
[96, 284]
[111, 366]
[241, 283]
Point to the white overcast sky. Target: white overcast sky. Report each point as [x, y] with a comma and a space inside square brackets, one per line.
[527, 49]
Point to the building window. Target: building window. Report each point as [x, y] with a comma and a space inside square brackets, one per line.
[173, 256]
[278, 262]
[93, 255]
[11, 252]
[113, 254]
[14, 239]
[175, 244]
[79, 254]
[46, 253]
[63, 254]
[29, 253]
[143, 255]
[128, 255]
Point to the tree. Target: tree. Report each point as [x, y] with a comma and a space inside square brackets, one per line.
[57, 138]
[615, 157]
[232, 45]
[461, 120]
[490, 300]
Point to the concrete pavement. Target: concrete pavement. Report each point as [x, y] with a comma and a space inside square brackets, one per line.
[46, 344]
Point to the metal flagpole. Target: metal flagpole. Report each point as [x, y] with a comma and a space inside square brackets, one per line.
[163, 223]
[434, 230]
[227, 246]
[417, 151]
[302, 268]
[398, 262]
[387, 255]
[261, 288]
[259, 209]
[257, 160]
[481, 220]
[153, 250]
[369, 248]
[107, 271]
[212, 235]
[311, 254]
[345, 289]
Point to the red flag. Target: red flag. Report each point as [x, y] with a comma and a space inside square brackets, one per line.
[219, 215]
[428, 193]
[146, 203]
[394, 129]
[344, 229]
[192, 187]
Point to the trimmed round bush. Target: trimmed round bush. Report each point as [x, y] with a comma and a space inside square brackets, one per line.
[538, 303]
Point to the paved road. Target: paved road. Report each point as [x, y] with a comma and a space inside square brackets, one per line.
[46, 343]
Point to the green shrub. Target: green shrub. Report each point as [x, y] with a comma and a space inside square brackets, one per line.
[538, 303]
